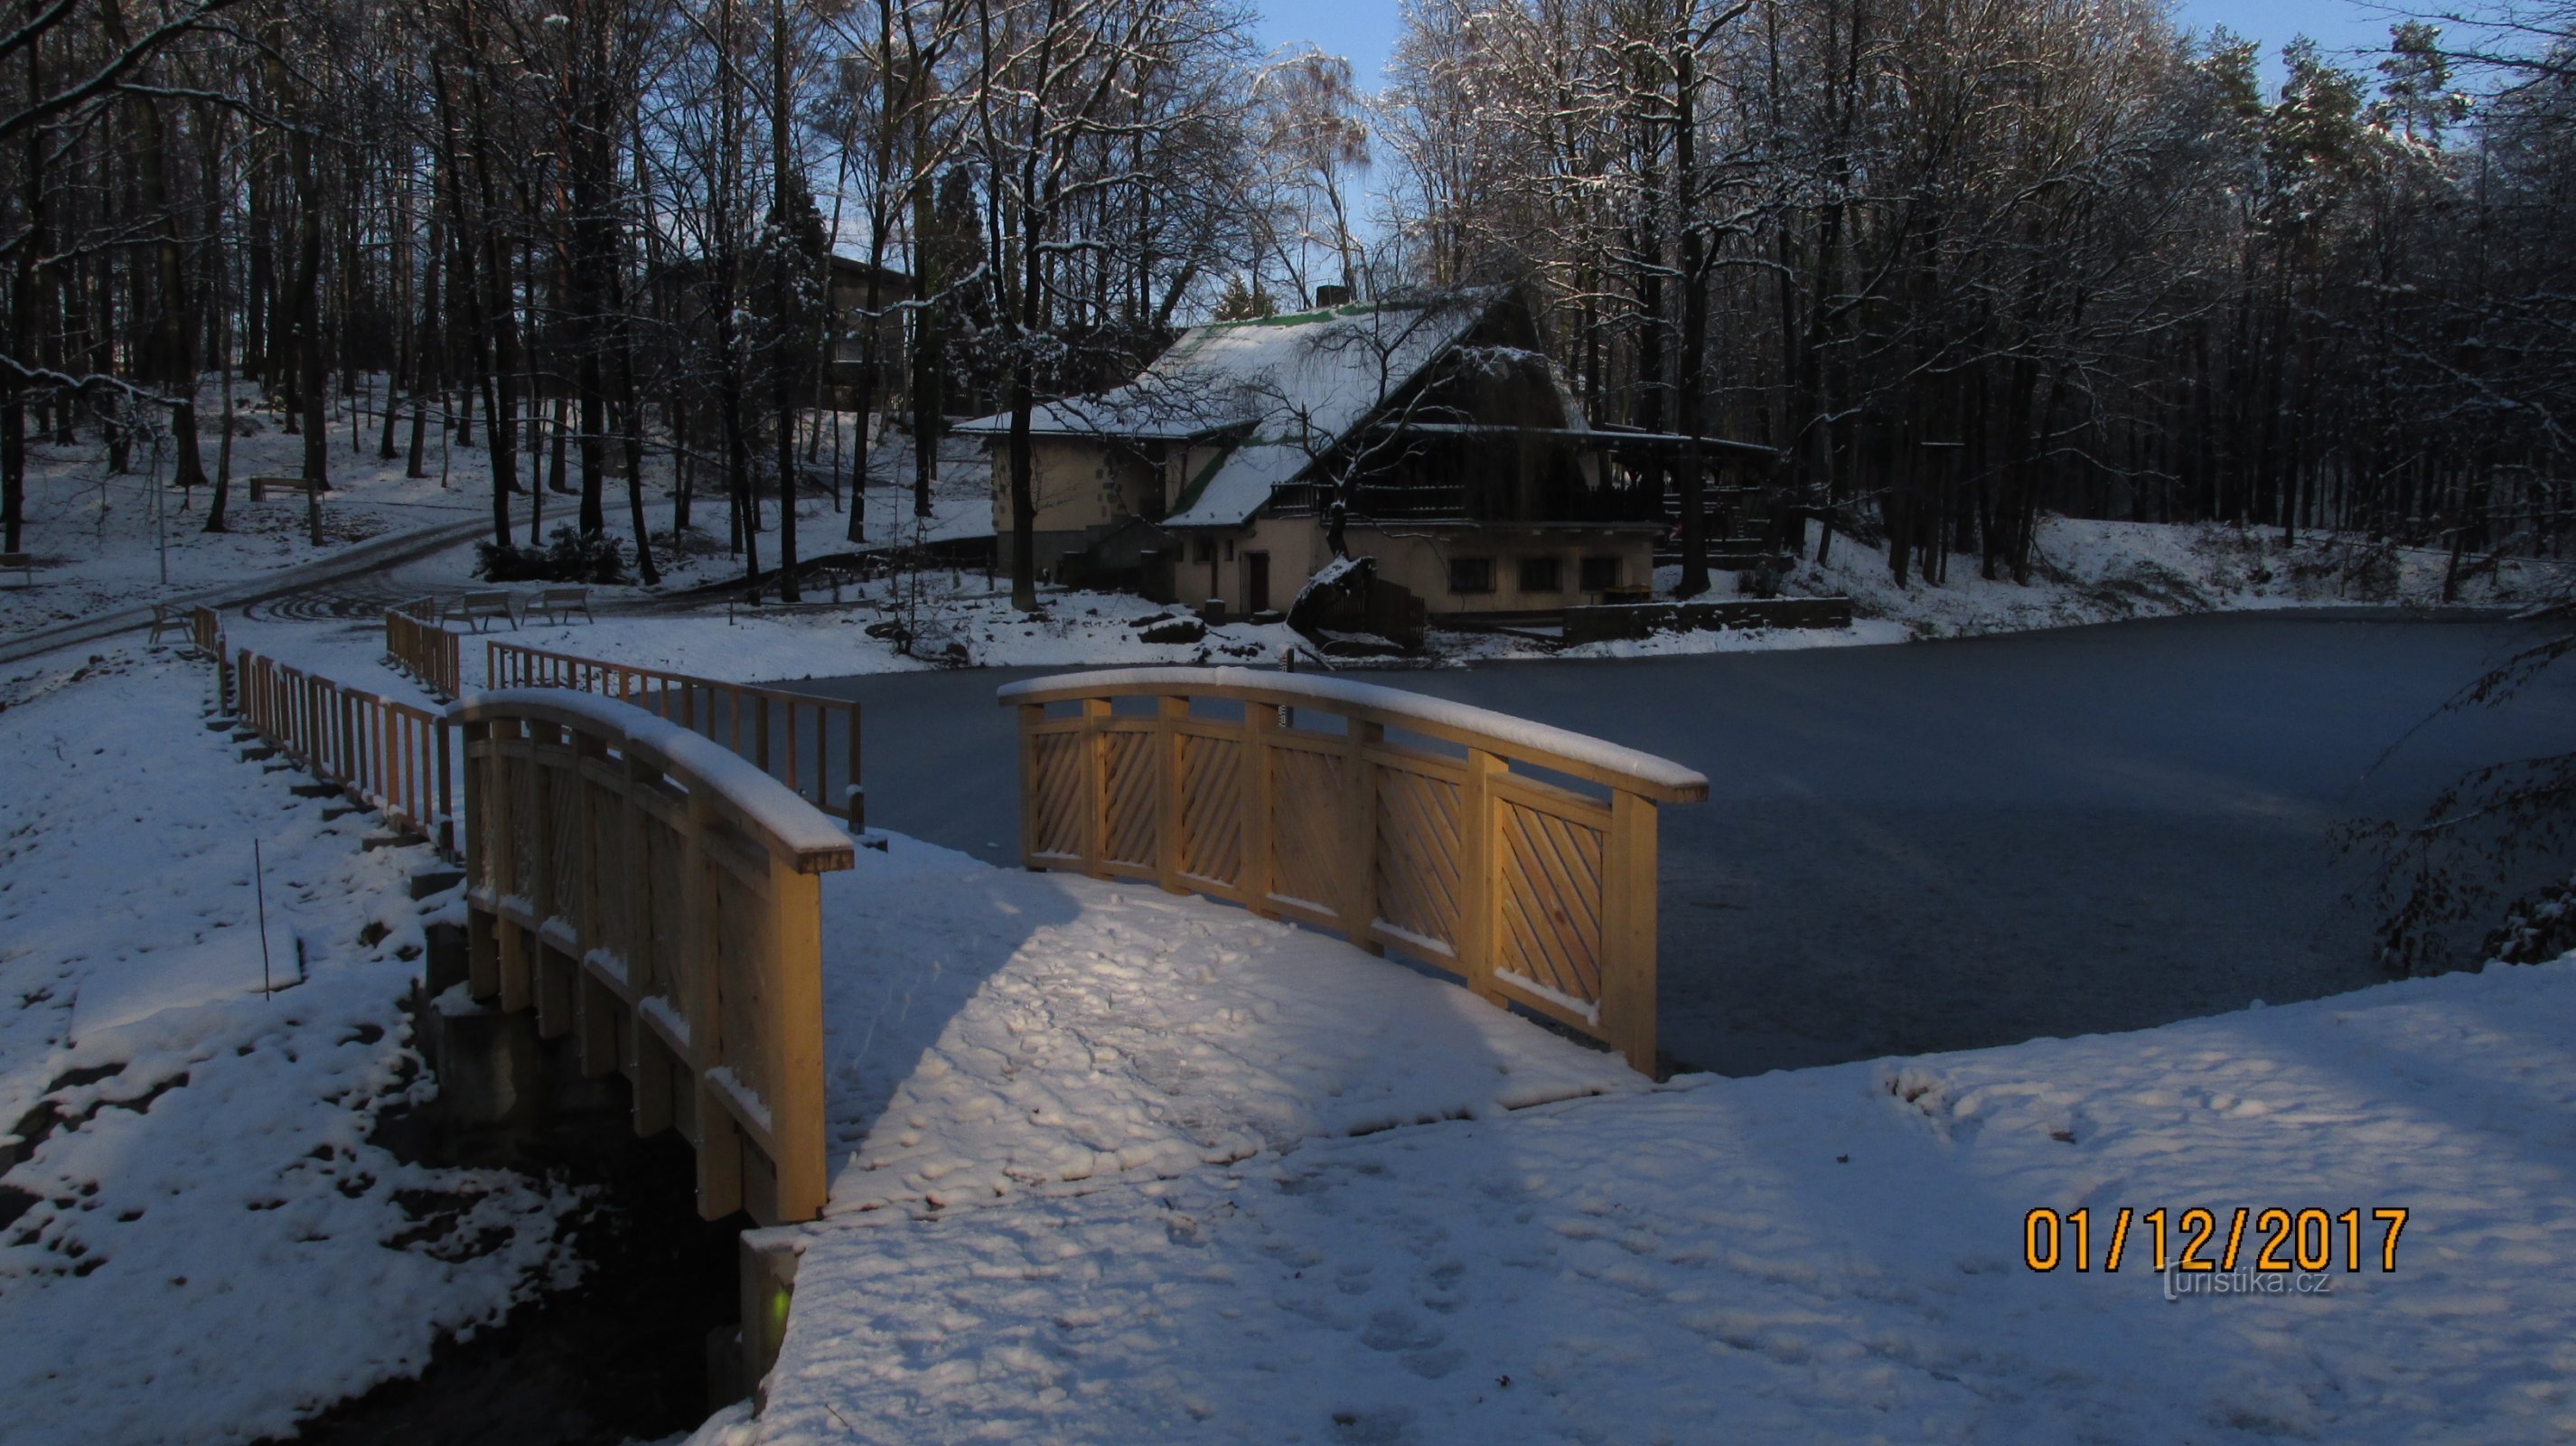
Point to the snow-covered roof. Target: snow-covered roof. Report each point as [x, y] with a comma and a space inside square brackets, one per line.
[1281, 390]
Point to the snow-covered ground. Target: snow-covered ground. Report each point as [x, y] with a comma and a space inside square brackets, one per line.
[1825, 1255]
[198, 1241]
[102, 543]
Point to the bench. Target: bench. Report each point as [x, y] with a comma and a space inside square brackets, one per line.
[560, 603]
[481, 607]
[261, 488]
[21, 563]
[171, 618]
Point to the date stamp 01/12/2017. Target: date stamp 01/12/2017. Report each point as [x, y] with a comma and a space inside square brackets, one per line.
[2285, 1252]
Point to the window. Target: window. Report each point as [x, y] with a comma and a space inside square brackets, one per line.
[1471, 574]
[1229, 549]
[1600, 574]
[1207, 549]
[1542, 574]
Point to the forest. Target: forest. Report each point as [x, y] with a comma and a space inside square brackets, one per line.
[1955, 262]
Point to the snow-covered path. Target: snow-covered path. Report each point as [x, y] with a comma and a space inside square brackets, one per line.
[1828, 1255]
[993, 1032]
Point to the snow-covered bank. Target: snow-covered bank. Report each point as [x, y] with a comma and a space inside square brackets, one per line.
[200, 1243]
[2093, 572]
[1833, 1254]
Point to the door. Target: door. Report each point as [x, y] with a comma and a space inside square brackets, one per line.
[1256, 582]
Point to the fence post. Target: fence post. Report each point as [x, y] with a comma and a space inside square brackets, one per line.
[487, 868]
[1259, 722]
[1170, 786]
[650, 1068]
[1095, 783]
[1628, 931]
[794, 1087]
[1359, 839]
[702, 948]
[1478, 897]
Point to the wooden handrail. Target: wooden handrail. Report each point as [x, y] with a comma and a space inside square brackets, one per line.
[1531, 892]
[385, 753]
[418, 646]
[1559, 750]
[657, 897]
[749, 720]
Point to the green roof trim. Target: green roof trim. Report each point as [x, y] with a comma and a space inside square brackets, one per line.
[1190, 495]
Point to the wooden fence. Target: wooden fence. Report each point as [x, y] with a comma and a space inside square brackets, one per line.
[657, 897]
[810, 744]
[387, 754]
[1399, 820]
[420, 647]
[206, 632]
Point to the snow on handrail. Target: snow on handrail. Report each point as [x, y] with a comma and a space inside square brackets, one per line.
[1546, 745]
[794, 823]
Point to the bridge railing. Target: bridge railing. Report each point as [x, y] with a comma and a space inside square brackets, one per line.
[417, 645]
[809, 744]
[1518, 857]
[387, 754]
[657, 897]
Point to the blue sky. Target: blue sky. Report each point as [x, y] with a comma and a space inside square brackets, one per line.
[1364, 30]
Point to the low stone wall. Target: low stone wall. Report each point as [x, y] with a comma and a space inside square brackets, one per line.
[1636, 620]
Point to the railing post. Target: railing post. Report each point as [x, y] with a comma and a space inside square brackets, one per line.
[1095, 782]
[487, 849]
[1479, 904]
[1170, 791]
[647, 1062]
[704, 963]
[1359, 837]
[1628, 931]
[1259, 722]
[513, 795]
[793, 1089]
[446, 834]
[761, 723]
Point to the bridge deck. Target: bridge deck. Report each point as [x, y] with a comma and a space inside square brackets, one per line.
[994, 1033]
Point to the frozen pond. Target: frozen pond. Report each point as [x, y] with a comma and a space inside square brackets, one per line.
[1946, 845]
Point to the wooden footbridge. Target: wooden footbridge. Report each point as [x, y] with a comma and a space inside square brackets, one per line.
[642, 851]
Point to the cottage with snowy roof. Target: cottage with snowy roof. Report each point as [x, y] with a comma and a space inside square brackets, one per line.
[1432, 434]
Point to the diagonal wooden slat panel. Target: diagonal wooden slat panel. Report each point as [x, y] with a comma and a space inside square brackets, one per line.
[1059, 808]
[1551, 905]
[1211, 809]
[1131, 825]
[1306, 823]
[1418, 854]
